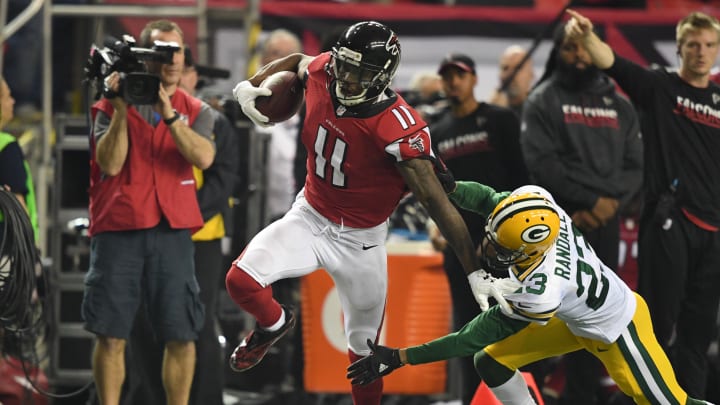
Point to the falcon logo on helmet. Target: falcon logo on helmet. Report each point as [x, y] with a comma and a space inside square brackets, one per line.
[393, 45]
[521, 229]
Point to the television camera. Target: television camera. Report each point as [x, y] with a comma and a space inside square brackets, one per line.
[137, 85]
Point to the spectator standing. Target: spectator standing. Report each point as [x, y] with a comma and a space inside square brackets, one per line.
[366, 148]
[679, 242]
[14, 170]
[512, 93]
[479, 142]
[143, 207]
[559, 297]
[581, 141]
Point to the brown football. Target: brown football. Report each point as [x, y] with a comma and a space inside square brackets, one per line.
[286, 99]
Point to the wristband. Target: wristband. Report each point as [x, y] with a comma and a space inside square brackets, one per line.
[169, 121]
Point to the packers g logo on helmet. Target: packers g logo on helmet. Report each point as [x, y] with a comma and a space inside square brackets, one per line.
[536, 233]
[521, 229]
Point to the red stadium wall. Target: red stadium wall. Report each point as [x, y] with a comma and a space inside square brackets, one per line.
[628, 31]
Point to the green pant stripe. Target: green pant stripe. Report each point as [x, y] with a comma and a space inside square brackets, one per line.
[643, 368]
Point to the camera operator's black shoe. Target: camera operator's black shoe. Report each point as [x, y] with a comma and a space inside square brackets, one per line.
[255, 346]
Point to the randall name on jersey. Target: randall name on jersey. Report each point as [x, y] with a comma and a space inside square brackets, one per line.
[562, 252]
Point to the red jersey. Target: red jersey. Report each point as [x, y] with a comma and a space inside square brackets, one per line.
[352, 178]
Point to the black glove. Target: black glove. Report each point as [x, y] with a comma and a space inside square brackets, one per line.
[381, 362]
[444, 175]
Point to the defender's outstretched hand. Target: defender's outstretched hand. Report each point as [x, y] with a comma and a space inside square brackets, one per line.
[245, 94]
[484, 286]
[381, 362]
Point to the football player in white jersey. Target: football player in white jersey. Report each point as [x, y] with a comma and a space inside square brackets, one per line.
[558, 298]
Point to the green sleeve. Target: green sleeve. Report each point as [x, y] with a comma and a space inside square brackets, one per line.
[476, 197]
[487, 328]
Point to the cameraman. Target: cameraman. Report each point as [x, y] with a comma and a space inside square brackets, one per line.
[143, 208]
[215, 187]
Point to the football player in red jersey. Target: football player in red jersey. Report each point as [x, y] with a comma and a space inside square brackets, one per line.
[367, 148]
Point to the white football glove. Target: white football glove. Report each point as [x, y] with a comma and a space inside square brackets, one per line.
[245, 94]
[484, 286]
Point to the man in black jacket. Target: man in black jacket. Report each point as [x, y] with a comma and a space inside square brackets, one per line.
[581, 141]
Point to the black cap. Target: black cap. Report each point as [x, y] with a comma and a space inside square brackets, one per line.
[458, 60]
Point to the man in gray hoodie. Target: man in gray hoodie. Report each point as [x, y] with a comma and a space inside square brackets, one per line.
[581, 140]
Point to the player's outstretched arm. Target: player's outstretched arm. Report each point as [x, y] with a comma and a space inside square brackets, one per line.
[419, 175]
[581, 27]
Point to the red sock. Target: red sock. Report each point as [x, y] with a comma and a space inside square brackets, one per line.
[253, 298]
[370, 394]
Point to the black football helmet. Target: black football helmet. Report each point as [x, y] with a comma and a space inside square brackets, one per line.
[364, 61]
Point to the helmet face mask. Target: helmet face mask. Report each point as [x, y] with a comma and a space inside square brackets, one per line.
[498, 256]
[354, 79]
[521, 229]
[364, 61]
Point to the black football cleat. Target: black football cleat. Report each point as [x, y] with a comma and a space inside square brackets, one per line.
[255, 346]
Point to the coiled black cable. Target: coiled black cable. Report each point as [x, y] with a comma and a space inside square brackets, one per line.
[18, 257]
[23, 318]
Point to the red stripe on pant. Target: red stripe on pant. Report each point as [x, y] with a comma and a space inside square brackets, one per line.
[370, 394]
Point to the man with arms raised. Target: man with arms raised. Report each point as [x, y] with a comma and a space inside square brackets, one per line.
[679, 242]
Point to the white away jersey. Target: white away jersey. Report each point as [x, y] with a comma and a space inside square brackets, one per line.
[574, 285]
